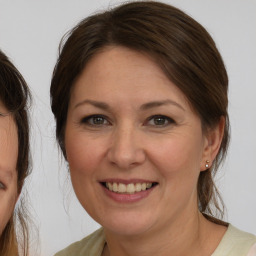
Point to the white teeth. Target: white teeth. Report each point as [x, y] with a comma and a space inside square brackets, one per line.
[138, 187]
[121, 188]
[143, 186]
[149, 185]
[129, 188]
[115, 187]
[110, 186]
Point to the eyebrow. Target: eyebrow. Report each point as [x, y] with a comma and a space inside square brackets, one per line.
[145, 106]
[97, 104]
[4, 114]
[154, 104]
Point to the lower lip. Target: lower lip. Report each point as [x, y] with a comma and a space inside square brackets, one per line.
[128, 198]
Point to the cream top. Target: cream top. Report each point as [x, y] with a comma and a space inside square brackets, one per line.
[234, 243]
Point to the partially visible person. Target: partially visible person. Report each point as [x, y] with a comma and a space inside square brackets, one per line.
[14, 159]
[140, 98]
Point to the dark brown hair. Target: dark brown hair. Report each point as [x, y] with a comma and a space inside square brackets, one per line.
[14, 95]
[181, 47]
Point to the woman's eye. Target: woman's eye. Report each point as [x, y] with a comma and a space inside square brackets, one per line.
[2, 186]
[160, 121]
[95, 120]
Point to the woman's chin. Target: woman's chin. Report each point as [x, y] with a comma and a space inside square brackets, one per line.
[126, 226]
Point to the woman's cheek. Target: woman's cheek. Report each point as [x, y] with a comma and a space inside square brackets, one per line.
[83, 155]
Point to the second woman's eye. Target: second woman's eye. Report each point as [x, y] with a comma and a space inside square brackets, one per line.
[159, 121]
[2, 186]
[95, 120]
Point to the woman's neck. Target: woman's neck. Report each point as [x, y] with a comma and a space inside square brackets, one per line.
[193, 236]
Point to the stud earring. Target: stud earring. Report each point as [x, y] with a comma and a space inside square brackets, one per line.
[207, 163]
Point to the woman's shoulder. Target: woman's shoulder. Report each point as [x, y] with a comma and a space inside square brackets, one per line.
[236, 243]
[91, 245]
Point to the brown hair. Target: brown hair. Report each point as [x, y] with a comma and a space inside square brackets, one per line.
[182, 48]
[14, 95]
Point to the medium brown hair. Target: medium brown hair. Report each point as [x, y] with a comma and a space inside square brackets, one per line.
[181, 47]
[14, 94]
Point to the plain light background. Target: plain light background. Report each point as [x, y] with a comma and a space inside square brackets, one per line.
[30, 32]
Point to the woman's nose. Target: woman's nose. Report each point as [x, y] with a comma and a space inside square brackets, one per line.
[126, 150]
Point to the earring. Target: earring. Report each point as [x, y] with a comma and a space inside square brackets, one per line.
[207, 163]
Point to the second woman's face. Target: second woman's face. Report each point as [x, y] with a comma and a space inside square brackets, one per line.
[134, 145]
[8, 161]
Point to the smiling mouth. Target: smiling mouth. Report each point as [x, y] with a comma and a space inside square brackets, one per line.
[130, 188]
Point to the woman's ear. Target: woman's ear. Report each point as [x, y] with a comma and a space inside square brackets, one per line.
[213, 139]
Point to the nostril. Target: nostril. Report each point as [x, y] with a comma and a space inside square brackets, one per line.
[126, 159]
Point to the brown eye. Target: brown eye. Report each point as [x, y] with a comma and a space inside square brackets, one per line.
[160, 121]
[95, 120]
[2, 186]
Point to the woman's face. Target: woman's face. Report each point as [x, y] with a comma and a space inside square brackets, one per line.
[8, 161]
[134, 145]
